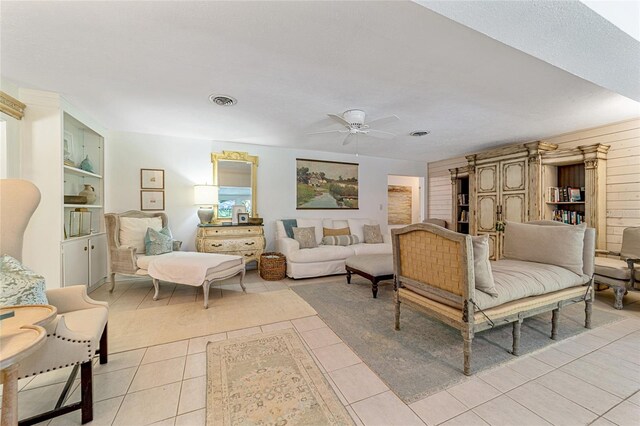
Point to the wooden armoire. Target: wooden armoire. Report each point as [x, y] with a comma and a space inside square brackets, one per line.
[511, 184]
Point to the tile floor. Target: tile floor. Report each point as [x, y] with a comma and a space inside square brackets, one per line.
[593, 378]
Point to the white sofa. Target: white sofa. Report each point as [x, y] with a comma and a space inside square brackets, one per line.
[325, 259]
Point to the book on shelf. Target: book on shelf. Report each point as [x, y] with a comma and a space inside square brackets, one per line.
[464, 216]
[564, 194]
[463, 199]
[567, 216]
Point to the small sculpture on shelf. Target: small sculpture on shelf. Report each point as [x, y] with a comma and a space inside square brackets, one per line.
[88, 192]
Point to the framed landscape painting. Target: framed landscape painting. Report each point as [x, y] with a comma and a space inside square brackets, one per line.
[324, 185]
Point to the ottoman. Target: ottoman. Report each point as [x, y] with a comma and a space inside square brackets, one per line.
[374, 267]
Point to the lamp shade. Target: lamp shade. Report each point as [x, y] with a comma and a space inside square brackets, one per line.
[205, 195]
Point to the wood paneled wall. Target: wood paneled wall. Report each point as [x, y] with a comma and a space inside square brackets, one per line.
[623, 176]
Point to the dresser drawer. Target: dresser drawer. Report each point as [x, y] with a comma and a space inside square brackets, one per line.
[217, 245]
[226, 231]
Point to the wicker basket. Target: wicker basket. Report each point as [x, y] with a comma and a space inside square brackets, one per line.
[273, 266]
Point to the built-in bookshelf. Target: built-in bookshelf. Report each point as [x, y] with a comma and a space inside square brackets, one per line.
[566, 202]
[460, 189]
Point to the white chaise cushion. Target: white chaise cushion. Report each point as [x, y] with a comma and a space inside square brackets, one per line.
[555, 245]
[320, 254]
[133, 230]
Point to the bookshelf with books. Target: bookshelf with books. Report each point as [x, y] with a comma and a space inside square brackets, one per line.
[460, 209]
[574, 187]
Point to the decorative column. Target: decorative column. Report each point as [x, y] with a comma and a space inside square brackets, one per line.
[595, 187]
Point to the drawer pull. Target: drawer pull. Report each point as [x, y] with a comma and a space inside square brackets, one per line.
[216, 245]
[250, 244]
[248, 254]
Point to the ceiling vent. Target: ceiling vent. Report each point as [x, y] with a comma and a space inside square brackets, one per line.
[223, 100]
[418, 133]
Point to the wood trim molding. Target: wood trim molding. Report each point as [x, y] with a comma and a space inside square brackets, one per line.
[11, 106]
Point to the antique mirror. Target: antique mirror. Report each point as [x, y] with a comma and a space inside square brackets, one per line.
[235, 174]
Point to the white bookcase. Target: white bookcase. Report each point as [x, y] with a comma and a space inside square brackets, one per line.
[53, 129]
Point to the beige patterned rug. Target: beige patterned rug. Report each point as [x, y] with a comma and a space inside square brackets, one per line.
[268, 379]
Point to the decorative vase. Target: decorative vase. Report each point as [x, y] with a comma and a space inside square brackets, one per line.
[88, 192]
[86, 165]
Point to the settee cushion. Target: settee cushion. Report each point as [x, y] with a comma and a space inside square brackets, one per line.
[316, 224]
[320, 254]
[288, 225]
[555, 245]
[383, 248]
[517, 279]
[356, 227]
[614, 268]
[158, 242]
[306, 237]
[133, 230]
[340, 240]
[332, 232]
[482, 265]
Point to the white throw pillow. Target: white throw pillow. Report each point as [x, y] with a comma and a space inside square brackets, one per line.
[482, 266]
[555, 245]
[356, 227]
[312, 223]
[133, 230]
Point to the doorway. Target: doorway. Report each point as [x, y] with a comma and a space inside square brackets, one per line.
[405, 200]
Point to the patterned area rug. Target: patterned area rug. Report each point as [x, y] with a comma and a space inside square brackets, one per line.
[425, 356]
[268, 379]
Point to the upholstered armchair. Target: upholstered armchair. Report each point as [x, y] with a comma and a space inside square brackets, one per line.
[125, 259]
[79, 330]
[621, 274]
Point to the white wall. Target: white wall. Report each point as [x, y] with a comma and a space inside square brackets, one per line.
[188, 161]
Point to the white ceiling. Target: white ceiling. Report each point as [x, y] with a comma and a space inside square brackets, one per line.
[149, 67]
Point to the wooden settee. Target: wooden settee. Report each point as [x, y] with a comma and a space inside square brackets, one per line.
[434, 274]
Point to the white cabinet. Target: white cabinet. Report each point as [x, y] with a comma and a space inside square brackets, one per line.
[55, 139]
[84, 260]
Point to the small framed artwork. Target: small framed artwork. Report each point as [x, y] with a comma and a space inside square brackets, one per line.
[234, 213]
[151, 178]
[69, 150]
[574, 194]
[243, 218]
[151, 200]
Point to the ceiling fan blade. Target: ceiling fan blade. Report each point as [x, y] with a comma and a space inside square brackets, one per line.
[326, 131]
[380, 134]
[383, 121]
[340, 119]
[350, 138]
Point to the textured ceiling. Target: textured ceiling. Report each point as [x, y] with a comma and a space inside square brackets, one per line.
[149, 67]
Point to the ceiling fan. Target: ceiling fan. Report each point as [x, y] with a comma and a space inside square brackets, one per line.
[354, 122]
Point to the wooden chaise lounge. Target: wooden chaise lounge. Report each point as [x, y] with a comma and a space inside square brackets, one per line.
[434, 273]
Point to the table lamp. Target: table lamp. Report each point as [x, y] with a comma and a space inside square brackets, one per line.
[206, 196]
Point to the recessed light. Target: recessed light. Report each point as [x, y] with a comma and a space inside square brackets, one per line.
[419, 133]
[222, 100]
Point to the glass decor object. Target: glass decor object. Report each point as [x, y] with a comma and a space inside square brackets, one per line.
[87, 165]
[79, 222]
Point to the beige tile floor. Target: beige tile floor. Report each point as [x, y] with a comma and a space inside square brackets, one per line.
[593, 378]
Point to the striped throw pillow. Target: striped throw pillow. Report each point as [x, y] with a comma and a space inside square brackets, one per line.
[340, 240]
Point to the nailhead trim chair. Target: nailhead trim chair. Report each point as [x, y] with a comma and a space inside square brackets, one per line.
[78, 332]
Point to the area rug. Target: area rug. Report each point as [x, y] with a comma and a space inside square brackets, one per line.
[133, 329]
[425, 356]
[269, 379]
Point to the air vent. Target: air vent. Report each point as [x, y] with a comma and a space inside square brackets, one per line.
[223, 100]
[418, 133]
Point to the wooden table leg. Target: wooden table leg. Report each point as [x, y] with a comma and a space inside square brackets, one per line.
[9, 378]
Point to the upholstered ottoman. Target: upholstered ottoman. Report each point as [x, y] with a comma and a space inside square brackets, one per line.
[374, 267]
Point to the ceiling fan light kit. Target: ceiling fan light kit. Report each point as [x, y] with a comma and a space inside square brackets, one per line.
[354, 122]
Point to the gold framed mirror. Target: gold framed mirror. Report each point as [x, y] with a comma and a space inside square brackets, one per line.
[235, 173]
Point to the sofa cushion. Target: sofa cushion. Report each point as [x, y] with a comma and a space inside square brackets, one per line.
[384, 248]
[482, 265]
[372, 234]
[517, 279]
[320, 254]
[306, 237]
[133, 230]
[19, 285]
[555, 245]
[330, 232]
[316, 224]
[340, 240]
[356, 227]
[288, 225]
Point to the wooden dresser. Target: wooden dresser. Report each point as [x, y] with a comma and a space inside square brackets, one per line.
[241, 240]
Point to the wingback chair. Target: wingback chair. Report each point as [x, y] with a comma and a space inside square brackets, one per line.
[124, 259]
[621, 274]
[80, 327]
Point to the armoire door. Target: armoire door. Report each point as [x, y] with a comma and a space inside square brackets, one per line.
[513, 190]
